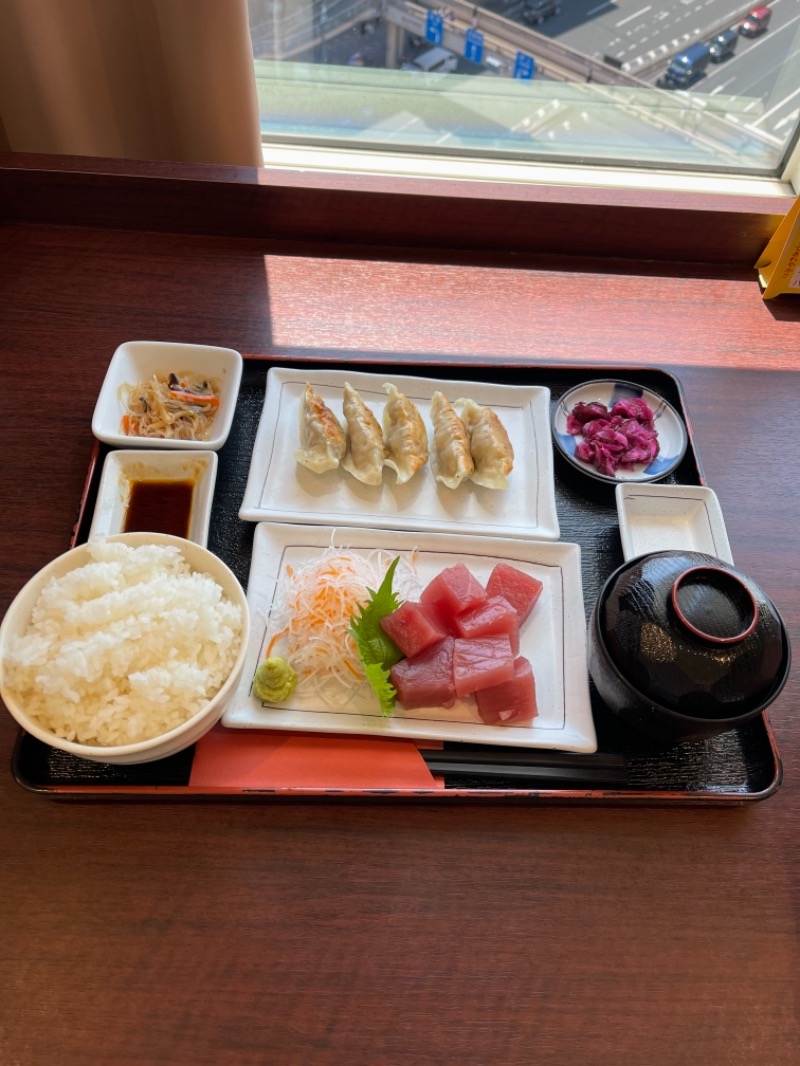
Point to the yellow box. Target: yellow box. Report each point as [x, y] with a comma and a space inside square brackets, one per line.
[779, 265]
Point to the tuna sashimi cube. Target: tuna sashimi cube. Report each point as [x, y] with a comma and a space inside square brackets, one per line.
[495, 615]
[511, 701]
[413, 627]
[427, 679]
[480, 662]
[521, 590]
[452, 591]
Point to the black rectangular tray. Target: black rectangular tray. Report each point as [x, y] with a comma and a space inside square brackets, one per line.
[736, 767]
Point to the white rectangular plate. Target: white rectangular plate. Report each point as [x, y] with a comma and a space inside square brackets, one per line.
[553, 639]
[279, 489]
[654, 518]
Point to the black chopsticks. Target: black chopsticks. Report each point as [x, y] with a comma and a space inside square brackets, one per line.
[545, 768]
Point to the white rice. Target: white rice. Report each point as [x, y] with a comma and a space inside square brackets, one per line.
[124, 648]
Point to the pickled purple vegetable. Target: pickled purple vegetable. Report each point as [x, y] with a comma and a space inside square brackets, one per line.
[621, 437]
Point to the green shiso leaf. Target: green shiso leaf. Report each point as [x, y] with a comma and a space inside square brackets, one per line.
[381, 683]
[377, 651]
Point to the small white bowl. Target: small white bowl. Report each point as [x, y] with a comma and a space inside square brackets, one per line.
[137, 361]
[654, 518]
[18, 616]
[672, 436]
[122, 468]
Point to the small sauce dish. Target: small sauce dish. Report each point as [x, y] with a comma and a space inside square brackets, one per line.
[654, 518]
[156, 492]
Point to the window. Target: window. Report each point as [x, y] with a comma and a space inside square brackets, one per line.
[578, 87]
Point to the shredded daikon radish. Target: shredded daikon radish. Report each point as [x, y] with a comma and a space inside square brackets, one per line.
[310, 619]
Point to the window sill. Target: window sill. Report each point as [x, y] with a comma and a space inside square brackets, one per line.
[322, 212]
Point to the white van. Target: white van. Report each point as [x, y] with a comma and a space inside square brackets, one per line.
[434, 61]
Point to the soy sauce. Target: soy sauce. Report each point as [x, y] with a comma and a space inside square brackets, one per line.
[159, 507]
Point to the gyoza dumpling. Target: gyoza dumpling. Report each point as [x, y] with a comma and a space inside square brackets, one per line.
[404, 435]
[365, 452]
[322, 439]
[492, 453]
[452, 460]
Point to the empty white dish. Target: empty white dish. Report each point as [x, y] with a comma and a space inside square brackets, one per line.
[124, 469]
[135, 362]
[654, 518]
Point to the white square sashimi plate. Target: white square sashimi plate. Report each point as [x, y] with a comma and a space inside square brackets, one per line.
[279, 489]
[553, 638]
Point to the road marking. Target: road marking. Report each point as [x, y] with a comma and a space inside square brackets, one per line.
[789, 120]
[600, 7]
[724, 85]
[634, 16]
[777, 107]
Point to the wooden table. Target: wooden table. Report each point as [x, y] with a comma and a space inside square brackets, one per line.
[389, 934]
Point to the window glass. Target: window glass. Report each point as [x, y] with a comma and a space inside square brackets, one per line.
[679, 84]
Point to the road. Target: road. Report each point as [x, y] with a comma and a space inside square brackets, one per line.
[768, 72]
[765, 71]
[763, 76]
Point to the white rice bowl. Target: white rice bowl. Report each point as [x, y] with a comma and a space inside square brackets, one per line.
[126, 649]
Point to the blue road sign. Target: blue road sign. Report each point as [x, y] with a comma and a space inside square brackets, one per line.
[473, 46]
[434, 27]
[524, 66]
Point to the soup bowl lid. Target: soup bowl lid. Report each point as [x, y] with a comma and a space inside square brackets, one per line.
[693, 634]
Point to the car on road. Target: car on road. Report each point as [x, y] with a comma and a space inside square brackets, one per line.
[434, 61]
[536, 11]
[686, 68]
[723, 45]
[755, 21]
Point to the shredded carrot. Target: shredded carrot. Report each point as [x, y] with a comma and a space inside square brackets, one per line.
[194, 397]
[352, 669]
[275, 638]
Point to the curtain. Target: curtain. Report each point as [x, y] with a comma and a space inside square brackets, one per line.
[131, 79]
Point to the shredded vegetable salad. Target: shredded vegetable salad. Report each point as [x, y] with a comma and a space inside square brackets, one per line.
[311, 617]
[172, 406]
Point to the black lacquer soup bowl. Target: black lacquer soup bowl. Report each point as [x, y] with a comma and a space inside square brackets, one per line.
[683, 645]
